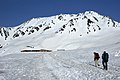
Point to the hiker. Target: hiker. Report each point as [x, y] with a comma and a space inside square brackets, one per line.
[105, 57]
[96, 58]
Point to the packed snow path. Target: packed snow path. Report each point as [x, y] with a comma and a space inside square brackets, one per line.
[61, 65]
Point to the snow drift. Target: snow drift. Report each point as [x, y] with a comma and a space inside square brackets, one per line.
[64, 31]
[72, 38]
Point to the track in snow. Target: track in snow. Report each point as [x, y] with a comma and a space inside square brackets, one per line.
[51, 66]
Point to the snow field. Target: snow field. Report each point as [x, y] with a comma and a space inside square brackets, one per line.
[59, 65]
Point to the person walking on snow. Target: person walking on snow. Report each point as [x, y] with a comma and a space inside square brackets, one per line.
[105, 57]
[96, 58]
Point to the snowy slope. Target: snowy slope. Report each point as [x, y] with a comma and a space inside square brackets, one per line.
[83, 23]
[78, 34]
[62, 31]
[60, 65]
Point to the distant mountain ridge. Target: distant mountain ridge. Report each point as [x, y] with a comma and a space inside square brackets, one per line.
[60, 31]
[90, 19]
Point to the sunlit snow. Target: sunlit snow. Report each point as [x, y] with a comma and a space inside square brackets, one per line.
[72, 49]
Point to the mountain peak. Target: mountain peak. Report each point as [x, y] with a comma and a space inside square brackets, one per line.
[90, 12]
[60, 31]
[83, 23]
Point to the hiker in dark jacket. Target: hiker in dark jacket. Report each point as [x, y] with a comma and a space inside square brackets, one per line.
[96, 58]
[105, 58]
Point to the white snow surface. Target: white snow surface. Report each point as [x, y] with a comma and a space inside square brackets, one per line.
[72, 51]
[59, 65]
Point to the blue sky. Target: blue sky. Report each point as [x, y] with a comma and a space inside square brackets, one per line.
[15, 12]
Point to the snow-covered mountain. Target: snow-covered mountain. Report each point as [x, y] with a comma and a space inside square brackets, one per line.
[63, 23]
[68, 31]
[72, 38]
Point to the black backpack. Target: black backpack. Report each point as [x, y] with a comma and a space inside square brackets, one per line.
[105, 57]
